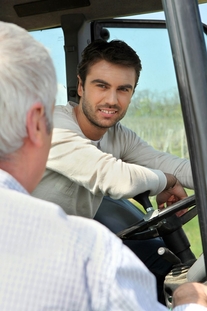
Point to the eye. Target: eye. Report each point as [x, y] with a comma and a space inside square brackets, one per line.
[102, 86]
[124, 89]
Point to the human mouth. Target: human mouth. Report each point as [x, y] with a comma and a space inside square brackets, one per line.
[108, 111]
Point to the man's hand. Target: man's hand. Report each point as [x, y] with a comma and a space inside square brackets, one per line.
[190, 293]
[173, 192]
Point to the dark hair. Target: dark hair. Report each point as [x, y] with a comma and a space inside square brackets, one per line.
[115, 51]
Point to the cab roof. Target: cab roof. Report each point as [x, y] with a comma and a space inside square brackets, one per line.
[42, 14]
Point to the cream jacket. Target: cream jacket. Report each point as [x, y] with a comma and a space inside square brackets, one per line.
[79, 174]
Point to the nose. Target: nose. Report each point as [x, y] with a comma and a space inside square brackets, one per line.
[111, 97]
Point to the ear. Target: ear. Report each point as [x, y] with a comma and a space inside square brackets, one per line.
[35, 123]
[80, 87]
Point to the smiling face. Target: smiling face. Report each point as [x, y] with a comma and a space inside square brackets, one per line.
[105, 97]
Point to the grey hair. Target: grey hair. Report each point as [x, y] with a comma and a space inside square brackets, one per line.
[27, 76]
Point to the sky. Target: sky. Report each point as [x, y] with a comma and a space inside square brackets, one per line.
[203, 12]
[160, 15]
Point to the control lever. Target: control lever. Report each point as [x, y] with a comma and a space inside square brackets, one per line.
[143, 199]
[169, 256]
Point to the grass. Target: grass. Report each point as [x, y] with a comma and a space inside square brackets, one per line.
[192, 231]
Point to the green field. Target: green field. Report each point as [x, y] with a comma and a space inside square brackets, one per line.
[159, 122]
[193, 233]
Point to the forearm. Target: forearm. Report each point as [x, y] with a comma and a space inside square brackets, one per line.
[165, 162]
[80, 161]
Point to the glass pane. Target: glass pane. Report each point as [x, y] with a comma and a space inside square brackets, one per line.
[53, 39]
[155, 111]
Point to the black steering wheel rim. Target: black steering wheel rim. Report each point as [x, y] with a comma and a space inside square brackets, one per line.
[153, 217]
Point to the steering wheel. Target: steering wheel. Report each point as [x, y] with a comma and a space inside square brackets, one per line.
[164, 223]
[159, 222]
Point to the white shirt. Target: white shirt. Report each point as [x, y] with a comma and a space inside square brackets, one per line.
[51, 261]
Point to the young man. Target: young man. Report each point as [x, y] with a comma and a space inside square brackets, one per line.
[93, 155]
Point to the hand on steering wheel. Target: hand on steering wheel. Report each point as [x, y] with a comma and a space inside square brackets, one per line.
[173, 193]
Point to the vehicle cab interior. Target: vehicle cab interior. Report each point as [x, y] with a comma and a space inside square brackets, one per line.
[170, 100]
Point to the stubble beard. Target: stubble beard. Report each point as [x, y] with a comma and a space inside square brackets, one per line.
[89, 114]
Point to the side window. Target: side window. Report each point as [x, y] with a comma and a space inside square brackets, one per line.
[53, 39]
[155, 111]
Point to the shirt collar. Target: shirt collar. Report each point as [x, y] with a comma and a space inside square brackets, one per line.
[9, 182]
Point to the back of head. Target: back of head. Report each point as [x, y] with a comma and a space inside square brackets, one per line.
[115, 51]
[27, 76]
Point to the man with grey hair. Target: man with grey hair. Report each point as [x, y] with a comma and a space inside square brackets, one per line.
[48, 260]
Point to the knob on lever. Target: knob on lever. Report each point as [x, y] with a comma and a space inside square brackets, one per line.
[169, 256]
[143, 199]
